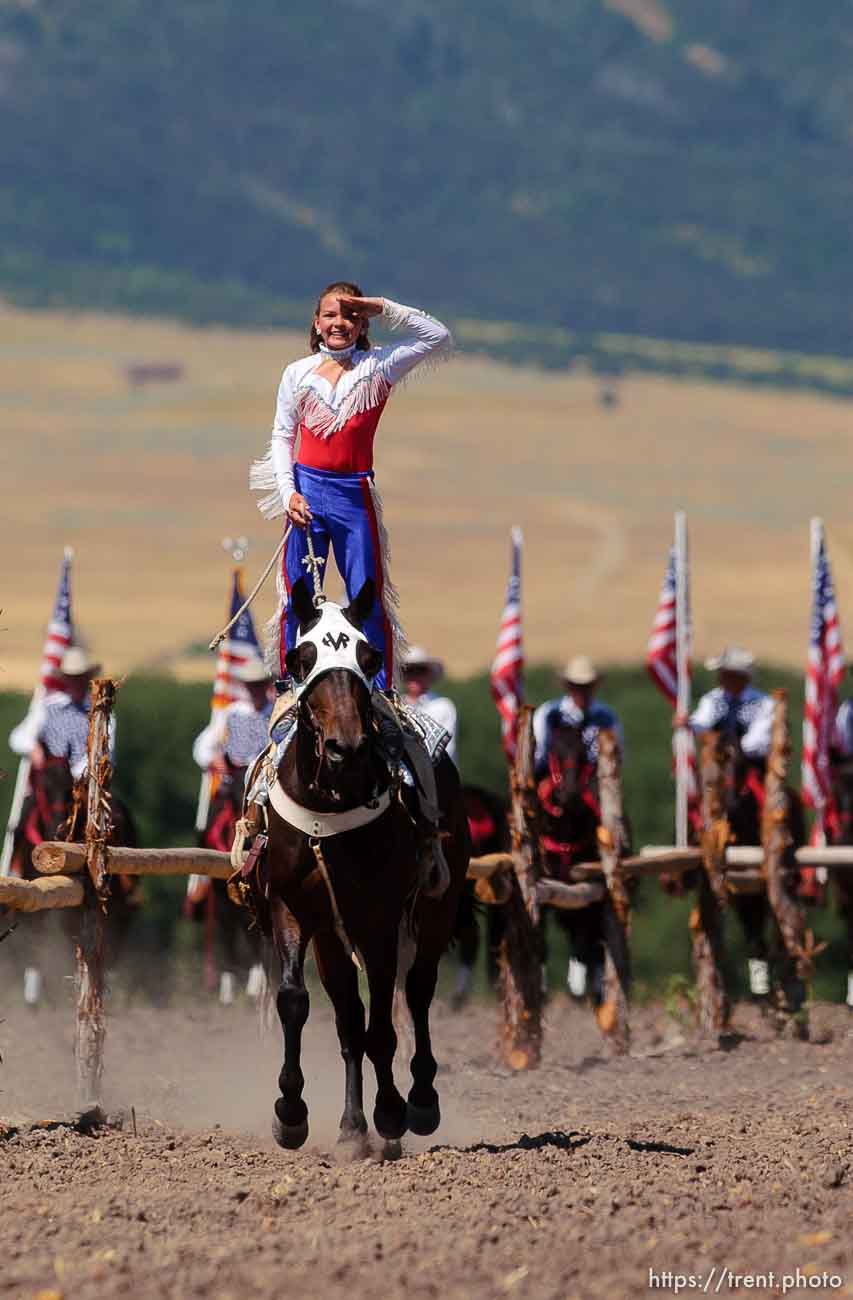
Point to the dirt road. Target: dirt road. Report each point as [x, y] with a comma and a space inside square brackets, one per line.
[590, 1178]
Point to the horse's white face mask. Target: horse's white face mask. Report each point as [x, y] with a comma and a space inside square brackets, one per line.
[332, 642]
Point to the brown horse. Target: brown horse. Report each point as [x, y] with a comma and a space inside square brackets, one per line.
[353, 892]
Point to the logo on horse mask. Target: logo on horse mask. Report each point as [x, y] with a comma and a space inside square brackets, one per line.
[330, 638]
[341, 641]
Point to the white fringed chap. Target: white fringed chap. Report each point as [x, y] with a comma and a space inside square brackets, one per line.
[390, 595]
[272, 629]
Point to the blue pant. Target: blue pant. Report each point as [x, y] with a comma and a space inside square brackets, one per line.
[345, 516]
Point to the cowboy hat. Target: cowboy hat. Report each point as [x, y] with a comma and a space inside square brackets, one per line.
[581, 671]
[77, 662]
[417, 657]
[732, 659]
[252, 673]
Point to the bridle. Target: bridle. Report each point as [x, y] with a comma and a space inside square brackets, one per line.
[315, 784]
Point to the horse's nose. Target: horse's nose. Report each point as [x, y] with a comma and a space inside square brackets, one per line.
[338, 750]
[335, 753]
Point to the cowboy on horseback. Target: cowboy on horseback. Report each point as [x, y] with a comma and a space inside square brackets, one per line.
[566, 732]
[578, 706]
[57, 726]
[333, 400]
[744, 715]
[420, 674]
[226, 748]
[734, 707]
[238, 733]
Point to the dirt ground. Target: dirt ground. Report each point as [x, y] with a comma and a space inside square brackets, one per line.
[588, 1178]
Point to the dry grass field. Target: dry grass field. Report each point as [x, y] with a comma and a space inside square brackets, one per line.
[145, 481]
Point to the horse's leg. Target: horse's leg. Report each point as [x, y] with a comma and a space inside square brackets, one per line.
[751, 911]
[340, 981]
[423, 1113]
[468, 944]
[389, 1113]
[290, 1121]
[844, 895]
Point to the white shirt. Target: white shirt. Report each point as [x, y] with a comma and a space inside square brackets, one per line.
[441, 710]
[596, 717]
[364, 386]
[842, 731]
[64, 722]
[750, 713]
[213, 742]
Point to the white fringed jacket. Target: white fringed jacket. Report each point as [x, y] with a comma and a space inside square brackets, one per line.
[337, 424]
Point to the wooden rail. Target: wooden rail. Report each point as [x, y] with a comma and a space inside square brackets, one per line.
[40, 895]
[55, 856]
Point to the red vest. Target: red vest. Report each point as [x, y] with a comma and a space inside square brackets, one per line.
[349, 450]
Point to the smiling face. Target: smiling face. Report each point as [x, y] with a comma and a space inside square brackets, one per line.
[337, 327]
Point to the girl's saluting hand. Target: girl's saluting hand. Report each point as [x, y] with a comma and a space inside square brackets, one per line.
[361, 306]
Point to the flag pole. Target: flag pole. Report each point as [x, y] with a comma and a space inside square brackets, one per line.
[22, 781]
[815, 539]
[238, 549]
[682, 651]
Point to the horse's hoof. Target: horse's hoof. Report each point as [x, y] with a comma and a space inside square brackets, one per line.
[423, 1120]
[353, 1144]
[289, 1136]
[391, 1124]
[392, 1150]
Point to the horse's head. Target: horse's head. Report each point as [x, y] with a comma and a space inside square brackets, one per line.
[53, 790]
[842, 797]
[570, 772]
[333, 666]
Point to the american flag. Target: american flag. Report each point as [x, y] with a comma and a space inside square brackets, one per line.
[60, 631]
[508, 666]
[662, 666]
[824, 672]
[240, 646]
[661, 652]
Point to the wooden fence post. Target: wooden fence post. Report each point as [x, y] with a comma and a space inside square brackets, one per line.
[520, 953]
[91, 1028]
[612, 1014]
[706, 917]
[777, 843]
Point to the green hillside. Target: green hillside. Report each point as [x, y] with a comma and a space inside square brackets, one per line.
[641, 167]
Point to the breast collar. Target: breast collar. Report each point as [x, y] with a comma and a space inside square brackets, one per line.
[322, 825]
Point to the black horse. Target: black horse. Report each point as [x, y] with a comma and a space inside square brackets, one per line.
[767, 962]
[226, 936]
[571, 815]
[840, 831]
[489, 830]
[55, 809]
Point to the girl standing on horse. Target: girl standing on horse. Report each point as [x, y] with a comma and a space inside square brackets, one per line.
[334, 399]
